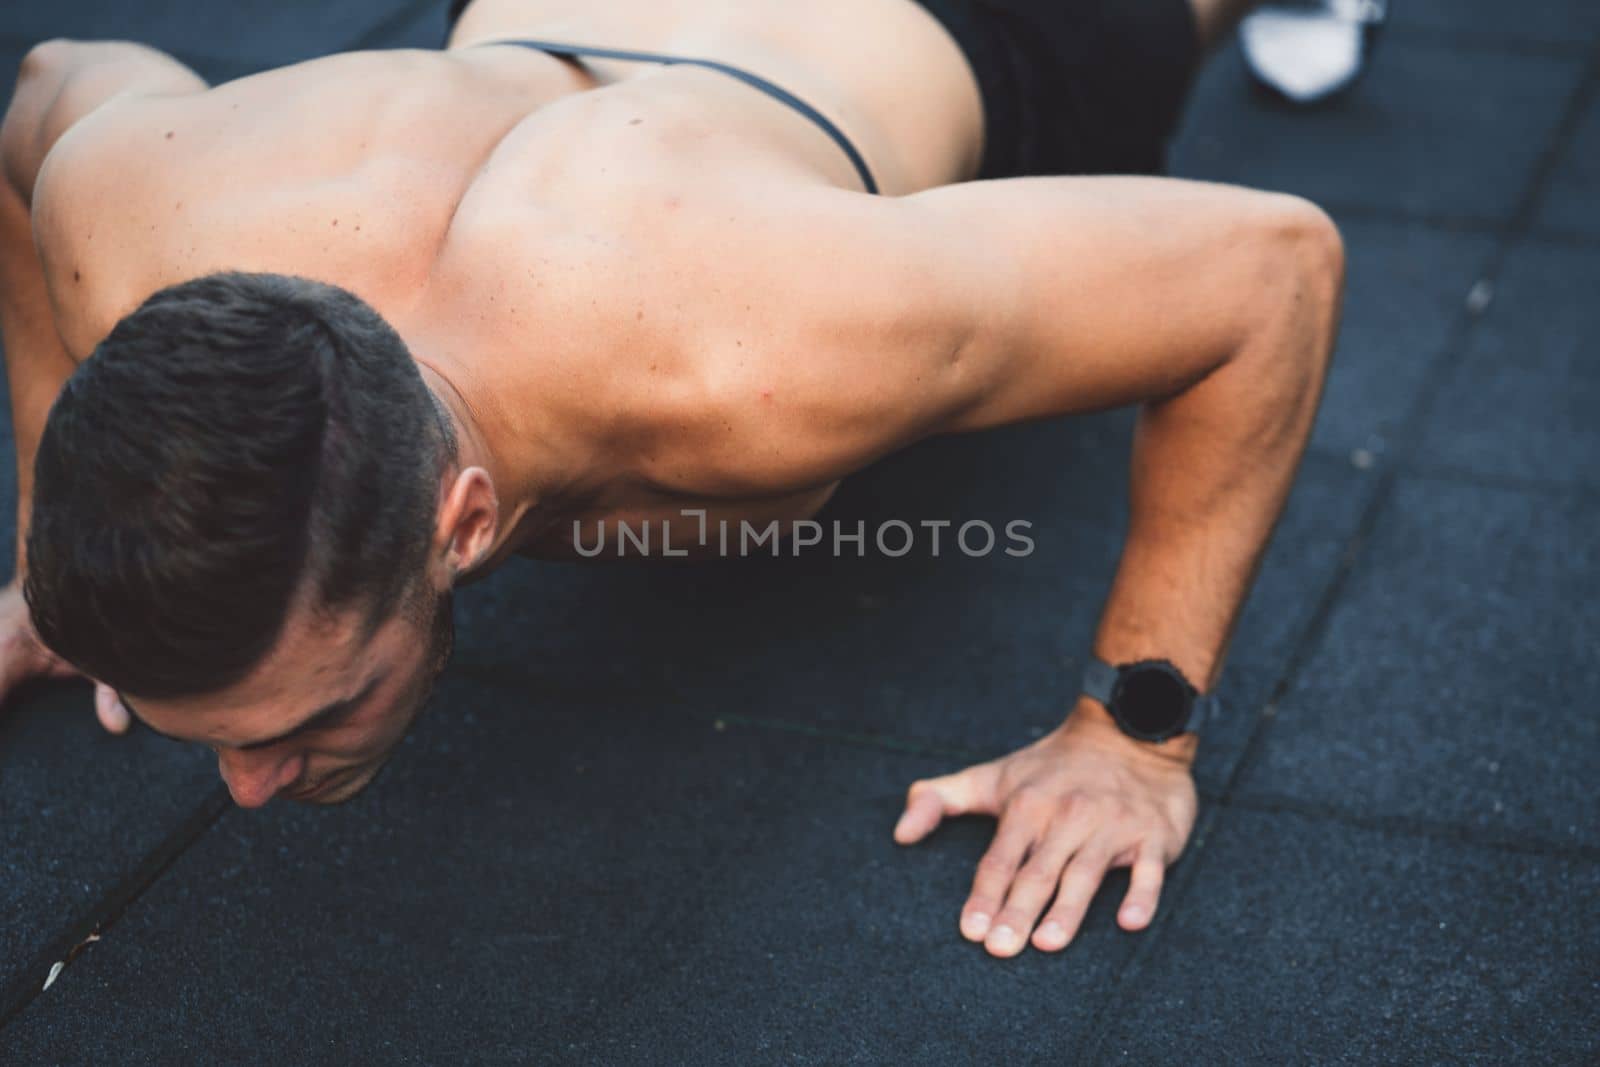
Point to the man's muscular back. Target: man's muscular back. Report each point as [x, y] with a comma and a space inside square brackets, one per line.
[628, 277]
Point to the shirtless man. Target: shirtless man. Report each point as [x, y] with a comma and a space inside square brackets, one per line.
[491, 296]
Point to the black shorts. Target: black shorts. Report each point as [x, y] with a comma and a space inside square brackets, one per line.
[1069, 86]
[1076, 86]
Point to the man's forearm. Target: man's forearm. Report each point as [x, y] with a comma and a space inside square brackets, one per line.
[1214, 308]
[1211, 469]
[36, 361]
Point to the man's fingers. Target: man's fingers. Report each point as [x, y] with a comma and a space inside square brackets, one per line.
[931, 799]
[1033, 887]
[996, 871]
[108, 706]
[1144, 888]
[1078, 884]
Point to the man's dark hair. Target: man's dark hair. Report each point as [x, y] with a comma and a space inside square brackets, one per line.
[239, 444]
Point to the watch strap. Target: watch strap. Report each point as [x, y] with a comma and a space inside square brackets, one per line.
[1099, 680]
[1203, 711]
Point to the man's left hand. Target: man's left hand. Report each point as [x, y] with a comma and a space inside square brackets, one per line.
[1078, 802]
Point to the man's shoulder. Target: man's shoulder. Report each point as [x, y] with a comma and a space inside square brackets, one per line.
[778, 335]
[96, 179]
[149, 190]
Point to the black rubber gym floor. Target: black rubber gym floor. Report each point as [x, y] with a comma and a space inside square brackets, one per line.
[647, 818]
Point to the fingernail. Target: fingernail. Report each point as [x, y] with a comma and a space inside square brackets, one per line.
[900, 827]
[1003, 938]
[1133, 914]
[977, 924]
[1051, 933]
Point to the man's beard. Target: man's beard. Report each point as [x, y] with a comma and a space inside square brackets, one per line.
[441, 638]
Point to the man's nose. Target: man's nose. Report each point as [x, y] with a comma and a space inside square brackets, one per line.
[255, 777]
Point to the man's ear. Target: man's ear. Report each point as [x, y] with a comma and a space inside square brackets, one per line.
[468, 520]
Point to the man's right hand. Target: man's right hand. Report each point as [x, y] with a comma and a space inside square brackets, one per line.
[23, 658]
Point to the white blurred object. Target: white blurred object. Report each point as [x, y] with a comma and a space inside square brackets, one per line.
[1308, 50]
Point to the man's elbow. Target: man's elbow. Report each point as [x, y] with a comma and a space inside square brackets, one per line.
[1308, 259]
[1321, 258]
[1297, 285]
[45, 102]
[1302, 271]
[46, 61]
[61, 81]
[39, 79]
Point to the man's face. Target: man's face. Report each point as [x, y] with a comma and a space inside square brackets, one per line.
[320, 715]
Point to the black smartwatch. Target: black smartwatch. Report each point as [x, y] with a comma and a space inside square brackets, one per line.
[1150, 700]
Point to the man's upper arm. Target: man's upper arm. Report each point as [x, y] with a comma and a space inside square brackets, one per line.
[1101, 291]
[885, 320]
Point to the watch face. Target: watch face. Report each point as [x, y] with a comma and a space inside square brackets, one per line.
[1152, 700]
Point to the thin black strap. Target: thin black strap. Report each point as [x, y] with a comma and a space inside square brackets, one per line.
[756, 81]
[1099, 680]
